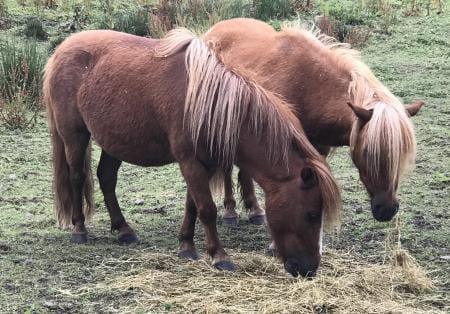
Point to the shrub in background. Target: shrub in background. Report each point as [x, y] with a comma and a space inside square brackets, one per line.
[416, 7]
[20, 82]
[3, 9]
[5, 22]
[200, 15]
[133, 21]
[346, 12]
[273, 9]
[108, 9]
[358, 36]
[35, 29]
[15, 112]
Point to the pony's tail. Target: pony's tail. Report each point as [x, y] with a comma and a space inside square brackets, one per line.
[88, 190]
[61, 178]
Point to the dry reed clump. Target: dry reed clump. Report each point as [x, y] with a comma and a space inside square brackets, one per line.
[345, 284]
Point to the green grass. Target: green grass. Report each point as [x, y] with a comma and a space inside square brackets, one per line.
[42, 272]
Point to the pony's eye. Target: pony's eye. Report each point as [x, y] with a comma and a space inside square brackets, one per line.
[313, 216]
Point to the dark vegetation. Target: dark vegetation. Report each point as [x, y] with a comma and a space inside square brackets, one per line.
[406, 43]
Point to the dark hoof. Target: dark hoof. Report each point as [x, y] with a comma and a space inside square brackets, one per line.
[225, 265]
[258, 220]
[79, 238]
[231, 222]
[193, 255]
[128, 239]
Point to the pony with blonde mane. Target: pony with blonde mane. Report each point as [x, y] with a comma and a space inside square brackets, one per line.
[337, 98]
[154, 102]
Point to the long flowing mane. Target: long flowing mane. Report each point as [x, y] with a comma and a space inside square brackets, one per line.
[218, 101]
[387, 142]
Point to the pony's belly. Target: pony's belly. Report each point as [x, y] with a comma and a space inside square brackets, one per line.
[131, 133]
[151, 153]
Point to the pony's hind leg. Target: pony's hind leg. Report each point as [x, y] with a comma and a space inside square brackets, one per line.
[107, 177]
[197, 179]
[256, 215]
[230, 217]
[186, 237]
[75, 149]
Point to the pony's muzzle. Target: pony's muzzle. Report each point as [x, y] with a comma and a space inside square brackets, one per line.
[383, 213]
[298, 267]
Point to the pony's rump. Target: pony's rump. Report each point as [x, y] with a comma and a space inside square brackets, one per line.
[61, 180]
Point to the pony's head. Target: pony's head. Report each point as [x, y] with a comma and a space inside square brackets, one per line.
[298, 208]
[383, 149]
[382, 140]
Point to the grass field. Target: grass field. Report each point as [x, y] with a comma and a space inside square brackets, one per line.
[41, 271]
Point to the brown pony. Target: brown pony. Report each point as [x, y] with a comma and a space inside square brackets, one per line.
[154, 102]
[337, 98]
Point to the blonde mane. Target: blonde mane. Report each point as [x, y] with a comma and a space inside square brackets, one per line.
[387, 142]
[218, 101]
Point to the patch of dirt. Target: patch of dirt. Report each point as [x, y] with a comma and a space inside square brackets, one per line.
[5, 248]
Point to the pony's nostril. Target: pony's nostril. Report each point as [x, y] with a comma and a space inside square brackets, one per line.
[296, 268]
[292, 266]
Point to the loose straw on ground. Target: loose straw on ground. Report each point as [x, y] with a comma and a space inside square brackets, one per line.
[345, 284]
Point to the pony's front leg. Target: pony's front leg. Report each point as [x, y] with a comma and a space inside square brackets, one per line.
[197, 179]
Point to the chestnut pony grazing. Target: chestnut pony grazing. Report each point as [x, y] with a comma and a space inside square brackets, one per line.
[154, 102]
[337, 98]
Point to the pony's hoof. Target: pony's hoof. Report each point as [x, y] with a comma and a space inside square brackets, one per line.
[271, 251]
[79, 238]
[225, 266]
[193, 255]
[128, 239]
[258, 220]
[231, 222]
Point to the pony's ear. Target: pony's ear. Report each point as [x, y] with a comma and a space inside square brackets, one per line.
[308, 178]
[414, 108]
[361, 113]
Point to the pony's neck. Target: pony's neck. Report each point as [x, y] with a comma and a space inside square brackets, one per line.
[317, 88]
[252, 157]
[321, 104]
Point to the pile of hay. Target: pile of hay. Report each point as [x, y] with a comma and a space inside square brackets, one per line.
[151, 282]
[345, 284]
